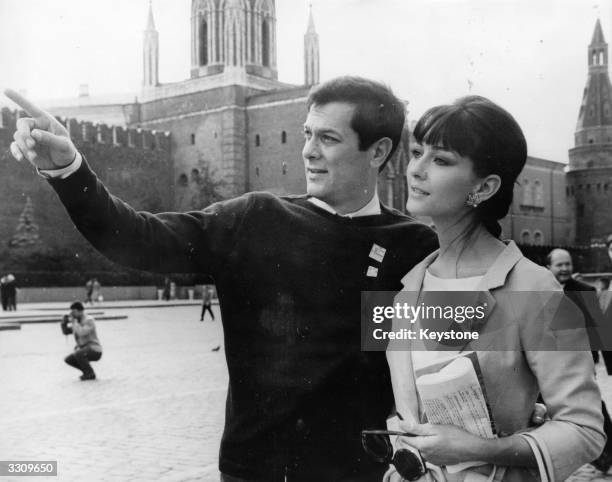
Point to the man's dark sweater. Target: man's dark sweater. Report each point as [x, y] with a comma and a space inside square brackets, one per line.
[289, 277]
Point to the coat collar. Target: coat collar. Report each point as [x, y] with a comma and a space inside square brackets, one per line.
[494, 277]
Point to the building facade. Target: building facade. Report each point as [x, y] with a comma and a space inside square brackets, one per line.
[233, 121]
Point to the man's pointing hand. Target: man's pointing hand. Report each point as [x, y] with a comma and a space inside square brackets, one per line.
[40, 138]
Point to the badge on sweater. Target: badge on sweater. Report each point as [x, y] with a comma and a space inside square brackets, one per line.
[372, 272]
[377, 253]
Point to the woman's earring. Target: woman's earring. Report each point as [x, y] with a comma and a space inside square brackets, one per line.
[473, 199]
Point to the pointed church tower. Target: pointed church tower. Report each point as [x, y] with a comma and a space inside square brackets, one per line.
[589, 177]
[595, 116]
[150, 53]
[311, 53]
[236, 37]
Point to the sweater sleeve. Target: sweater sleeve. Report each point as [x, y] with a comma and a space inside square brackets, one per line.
[198, 241]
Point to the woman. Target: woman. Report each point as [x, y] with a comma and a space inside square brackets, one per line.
[464, 162]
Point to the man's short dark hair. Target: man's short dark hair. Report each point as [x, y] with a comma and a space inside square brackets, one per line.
[77, 305]
[378, 112]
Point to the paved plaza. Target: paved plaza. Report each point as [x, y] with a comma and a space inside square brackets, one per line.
[155, 413]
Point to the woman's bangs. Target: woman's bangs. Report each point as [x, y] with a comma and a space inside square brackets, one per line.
[448, 129]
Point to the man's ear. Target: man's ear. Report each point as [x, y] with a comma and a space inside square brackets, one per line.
[380, 150]
[488, 187]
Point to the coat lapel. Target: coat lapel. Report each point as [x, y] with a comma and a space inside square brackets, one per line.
[495, 277]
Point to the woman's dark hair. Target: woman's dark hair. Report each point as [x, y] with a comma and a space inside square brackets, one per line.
[479, 129]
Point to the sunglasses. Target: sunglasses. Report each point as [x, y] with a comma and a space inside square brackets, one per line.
[408, 462]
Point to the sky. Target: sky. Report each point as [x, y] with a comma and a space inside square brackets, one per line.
[530, 56]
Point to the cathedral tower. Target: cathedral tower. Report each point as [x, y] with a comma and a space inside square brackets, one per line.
[589, 179]
[311, 53]
[150, 53]
[233, 36]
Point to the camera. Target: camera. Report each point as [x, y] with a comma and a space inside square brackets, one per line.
[66, 325]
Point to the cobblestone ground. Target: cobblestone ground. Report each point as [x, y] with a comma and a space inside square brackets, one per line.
[155, 412]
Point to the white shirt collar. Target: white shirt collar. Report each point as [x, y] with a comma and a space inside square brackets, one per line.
[370, 209]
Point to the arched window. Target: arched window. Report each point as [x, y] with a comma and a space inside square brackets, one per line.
[257, 171]
[203, 43]
[182, 180]
[538, 238]
[525, 237]
[257, 140]
[192, 139]
[265, 44]
[284, 137]
[284, 168]
[195, 175]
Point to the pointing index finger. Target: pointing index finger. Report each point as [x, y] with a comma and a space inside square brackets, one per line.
[24, 103]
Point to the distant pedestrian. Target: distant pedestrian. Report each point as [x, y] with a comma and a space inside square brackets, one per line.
[11, 292]
[88, 347]
[89, 292]
[3, 293]
[166, 291]
[207, 295]
[97, 291]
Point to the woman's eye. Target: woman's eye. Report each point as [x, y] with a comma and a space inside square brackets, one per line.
[441, 162]
[415, 153]
[328, 139]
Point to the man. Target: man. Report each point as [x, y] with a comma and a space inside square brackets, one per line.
[559, 262]
[207, 303]
[4, 292]
[288, 271]
[88, 346]
[10, 288]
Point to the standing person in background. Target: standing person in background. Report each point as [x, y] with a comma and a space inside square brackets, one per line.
[3, 293]
[89, 292]
[560, 263]
[207, 303]
[96, 293]
[166, 289]
[11, 292]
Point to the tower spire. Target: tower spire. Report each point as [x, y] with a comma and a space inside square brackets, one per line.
[311, 52]
[311, 25]
[150, 52]
[594, 125]
[598, 37]
[150, 21]
[598, 49]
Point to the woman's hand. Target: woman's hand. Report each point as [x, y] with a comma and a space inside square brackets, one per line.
[445, 444]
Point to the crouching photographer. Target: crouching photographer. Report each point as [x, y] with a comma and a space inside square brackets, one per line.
[88, 346]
